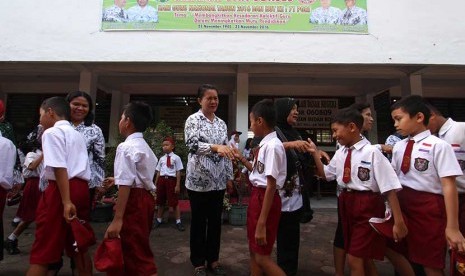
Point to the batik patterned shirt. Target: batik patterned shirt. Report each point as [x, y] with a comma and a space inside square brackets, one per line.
[95, 143]
[328, 15]
[206, 170]
[353, 16]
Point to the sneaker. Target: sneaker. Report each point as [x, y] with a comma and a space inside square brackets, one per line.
[11, 247]
[218, 270]
[156, 224]
[180, 227]
[200, 271]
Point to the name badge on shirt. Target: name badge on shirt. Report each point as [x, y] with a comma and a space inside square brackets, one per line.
[421, 164]
[363, 173]
[260, 167]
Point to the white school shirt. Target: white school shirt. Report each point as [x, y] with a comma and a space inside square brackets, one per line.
[7, 163]
[431, 159]
[369, 170]
[135, 163]
[30, 157]
[64, 147]
[176, 165]
[454, 133]
[271, 161]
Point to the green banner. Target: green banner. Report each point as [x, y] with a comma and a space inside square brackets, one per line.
[326, 16]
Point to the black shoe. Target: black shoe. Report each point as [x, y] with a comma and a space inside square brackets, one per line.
[156, 224]
[200, 271]
[306, 217]
[180, 227]
[218, 270]
[14, 224]
[11, 247]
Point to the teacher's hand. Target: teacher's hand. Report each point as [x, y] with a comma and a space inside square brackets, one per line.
[225, 151]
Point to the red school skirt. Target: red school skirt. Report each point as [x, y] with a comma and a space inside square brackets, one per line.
[426, 213]
[272, 223]
[356, 209]
[137, 223]
[462, 213]
[28, 204]
[53, 233]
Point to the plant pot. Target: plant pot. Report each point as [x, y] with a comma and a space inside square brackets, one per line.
[238, 215]
[103, 212]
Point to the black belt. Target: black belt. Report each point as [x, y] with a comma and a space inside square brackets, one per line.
[348, 190]
[168, 177]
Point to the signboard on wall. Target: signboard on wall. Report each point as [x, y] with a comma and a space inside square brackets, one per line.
[327, 16]
[316, 113]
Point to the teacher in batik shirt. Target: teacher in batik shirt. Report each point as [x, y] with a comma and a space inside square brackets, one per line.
[353, 15]
[208, 170]
[325, 14]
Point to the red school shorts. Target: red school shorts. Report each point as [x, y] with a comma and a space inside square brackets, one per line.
[165, 191]
[462, 213]
[253, 214]
[426, 242]
[53, 234]
[137, 223]
[360, 239]
[28, 204]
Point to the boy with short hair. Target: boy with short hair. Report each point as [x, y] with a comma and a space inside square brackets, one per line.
[134, 170]
[267, 175]
[168, 182]
[453, 133]
[7, 163]
[67, 195]
[364, 175]
[427, 168]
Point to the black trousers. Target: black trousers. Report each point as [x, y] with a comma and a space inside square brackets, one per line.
[205, 230]
[288, 241]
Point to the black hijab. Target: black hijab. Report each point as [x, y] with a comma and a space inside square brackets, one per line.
[283, 108]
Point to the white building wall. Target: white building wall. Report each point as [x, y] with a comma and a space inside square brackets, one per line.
[401, 32]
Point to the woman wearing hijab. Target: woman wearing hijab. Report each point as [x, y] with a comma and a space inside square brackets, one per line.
[297, 152]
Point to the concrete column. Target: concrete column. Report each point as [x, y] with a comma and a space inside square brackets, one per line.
[411, 85]
[118, 100]
[242, 103]
[88, 83]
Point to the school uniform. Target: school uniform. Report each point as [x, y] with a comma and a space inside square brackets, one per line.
[362, 186]
[454, 133]
[31, 193]
[167, 180]
[421, 199]
[271, 161]
[63, 147]
[7, 163]
[134, 167]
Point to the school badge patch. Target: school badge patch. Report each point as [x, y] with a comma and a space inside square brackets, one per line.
[462, 164]
[421, 164]
[260, 167]
[363, 173]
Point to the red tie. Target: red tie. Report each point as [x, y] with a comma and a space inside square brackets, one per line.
[405, 167]
[255, 156]
[346, 176]
[168, 160]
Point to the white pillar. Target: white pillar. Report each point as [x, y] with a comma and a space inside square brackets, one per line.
[242, 103]
[118, 100]
[88, 83]
[411, 85]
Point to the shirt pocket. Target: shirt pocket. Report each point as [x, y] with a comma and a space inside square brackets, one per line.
[423, 162]
[364, 172]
